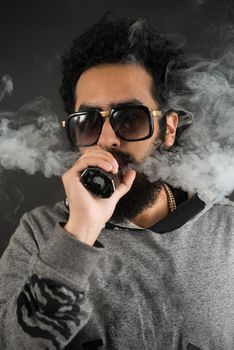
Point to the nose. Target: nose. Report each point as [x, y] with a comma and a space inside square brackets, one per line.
[108, 137]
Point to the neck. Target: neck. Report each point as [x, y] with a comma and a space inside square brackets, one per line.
[158, 211]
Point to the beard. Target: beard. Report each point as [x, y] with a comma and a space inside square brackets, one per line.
[142, 195]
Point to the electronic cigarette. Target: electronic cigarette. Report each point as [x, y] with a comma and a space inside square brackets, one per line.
[99, 182]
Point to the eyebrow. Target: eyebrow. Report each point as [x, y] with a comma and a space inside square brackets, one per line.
[90, 107]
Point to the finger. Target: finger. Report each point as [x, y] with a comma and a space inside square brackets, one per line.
[99, 155]
[98, 152]
[126, 184]
[105, 165]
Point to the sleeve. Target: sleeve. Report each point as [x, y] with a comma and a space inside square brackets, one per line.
[43, 290]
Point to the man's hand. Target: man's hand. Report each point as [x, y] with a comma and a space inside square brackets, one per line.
[88, 213]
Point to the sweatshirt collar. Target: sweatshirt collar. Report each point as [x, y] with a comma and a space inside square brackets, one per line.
[184, 212]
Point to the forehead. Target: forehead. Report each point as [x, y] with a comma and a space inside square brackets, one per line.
[113, 83]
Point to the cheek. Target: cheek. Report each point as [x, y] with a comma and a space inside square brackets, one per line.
[138, 149]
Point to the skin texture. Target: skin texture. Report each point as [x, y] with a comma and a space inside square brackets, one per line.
[100, 87]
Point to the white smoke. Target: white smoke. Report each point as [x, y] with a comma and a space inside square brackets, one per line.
[6, 86]
[30, 139]
[205, 161]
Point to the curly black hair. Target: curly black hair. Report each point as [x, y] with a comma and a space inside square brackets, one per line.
[121, 41]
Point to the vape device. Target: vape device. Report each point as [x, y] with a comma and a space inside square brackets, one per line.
[99, 182]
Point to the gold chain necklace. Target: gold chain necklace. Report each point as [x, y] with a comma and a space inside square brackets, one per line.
[170, 198]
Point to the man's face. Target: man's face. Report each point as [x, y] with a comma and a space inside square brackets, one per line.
[103, 86]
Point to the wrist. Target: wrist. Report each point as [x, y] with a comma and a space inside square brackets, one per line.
[85, 234]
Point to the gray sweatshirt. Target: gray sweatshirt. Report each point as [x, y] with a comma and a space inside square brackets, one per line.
[134, 289]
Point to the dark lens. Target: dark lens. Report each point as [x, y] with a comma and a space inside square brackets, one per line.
[84, 128]
[132, 123]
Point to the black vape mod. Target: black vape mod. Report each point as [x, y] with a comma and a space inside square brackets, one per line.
[99, 182]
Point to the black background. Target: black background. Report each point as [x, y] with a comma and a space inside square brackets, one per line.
[32, 36]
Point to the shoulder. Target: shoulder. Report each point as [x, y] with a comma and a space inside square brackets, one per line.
[224, 208]
[43, 220]
[48, 213]
[36, 228]
[220, 215]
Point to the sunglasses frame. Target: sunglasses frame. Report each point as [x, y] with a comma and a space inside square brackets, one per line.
[108, 114]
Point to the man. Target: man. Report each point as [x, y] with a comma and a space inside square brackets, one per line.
[147, 267]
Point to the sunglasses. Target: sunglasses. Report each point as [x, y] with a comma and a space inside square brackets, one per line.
[130, 123]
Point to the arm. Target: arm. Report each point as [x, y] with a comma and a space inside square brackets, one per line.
[43, 288]
[44, 283]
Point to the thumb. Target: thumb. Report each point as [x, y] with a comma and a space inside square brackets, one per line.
[126, 183]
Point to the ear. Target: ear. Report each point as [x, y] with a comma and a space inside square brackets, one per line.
[172, 123]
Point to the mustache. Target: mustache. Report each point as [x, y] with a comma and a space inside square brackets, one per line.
[123, 158]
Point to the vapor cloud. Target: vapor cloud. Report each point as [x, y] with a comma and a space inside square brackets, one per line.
[6, 86]
[30, 138]
[205, 161]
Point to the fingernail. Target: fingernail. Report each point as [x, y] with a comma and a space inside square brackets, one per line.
[115, 164]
